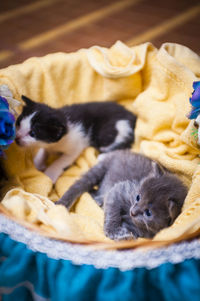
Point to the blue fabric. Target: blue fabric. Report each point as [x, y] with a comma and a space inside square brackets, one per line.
[28, 275]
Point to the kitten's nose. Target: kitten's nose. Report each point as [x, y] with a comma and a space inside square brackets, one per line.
[133, 212]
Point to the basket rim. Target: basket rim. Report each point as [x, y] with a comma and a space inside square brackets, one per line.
[108, 245]
[96, 255]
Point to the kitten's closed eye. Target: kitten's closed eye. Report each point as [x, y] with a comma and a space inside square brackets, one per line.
[32, 133]
[172, 200]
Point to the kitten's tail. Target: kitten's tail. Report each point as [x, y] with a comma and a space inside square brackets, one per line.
[86, 183]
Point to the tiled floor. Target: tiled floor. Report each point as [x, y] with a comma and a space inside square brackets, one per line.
[35, 28]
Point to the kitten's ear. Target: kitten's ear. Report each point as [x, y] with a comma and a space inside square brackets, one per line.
[172, 209]
[158, 169]
[27, 100]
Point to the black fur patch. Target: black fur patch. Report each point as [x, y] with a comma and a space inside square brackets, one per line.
[98, 121]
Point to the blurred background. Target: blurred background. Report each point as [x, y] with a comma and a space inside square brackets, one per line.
[38, 27]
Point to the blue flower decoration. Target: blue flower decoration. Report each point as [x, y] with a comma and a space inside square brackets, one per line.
[7, 125]
[195, 101]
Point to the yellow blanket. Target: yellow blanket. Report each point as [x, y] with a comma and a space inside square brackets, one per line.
[154, 84]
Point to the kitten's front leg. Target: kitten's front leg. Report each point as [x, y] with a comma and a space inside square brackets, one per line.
[40, 159]
[113, 226]
[86, 183]
[119, 233]
[58, 166]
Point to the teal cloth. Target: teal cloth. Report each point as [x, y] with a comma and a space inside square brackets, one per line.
[28, 275]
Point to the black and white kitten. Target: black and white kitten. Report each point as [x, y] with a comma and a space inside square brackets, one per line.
[69, 130]
[139, 196]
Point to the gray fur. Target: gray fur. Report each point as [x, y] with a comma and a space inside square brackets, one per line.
[139, 196]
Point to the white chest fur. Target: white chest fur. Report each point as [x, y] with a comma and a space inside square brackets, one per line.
[75, 141]
[70, 146]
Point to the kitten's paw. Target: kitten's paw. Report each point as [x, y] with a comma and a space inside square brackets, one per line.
[99, 199]
[52, 173]
[101, 157]
[119, 233]
[67, 200]
[61, 202]
[41, 167]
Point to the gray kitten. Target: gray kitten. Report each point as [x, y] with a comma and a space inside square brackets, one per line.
[139, 196]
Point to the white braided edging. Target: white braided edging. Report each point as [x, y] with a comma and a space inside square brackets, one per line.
[79, 254]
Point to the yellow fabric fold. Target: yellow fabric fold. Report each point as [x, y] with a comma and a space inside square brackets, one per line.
[156, 84]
